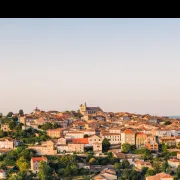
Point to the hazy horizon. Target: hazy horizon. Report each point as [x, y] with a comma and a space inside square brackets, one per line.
[128, 65]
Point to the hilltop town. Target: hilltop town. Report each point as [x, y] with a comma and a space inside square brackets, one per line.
[89, 144]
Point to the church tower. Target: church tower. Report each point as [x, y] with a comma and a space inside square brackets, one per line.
[83, 108]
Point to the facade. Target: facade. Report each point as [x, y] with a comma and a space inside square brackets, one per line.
[94, 139]
[8, 143]
[46, 148]
[170, 141]
[151, 143]
[5, 127]
[84, 110]
[140, 164]
[75, 147]
[113, 138]
[161, 132]
[174, 163]
[35, 161]
[71, 135]
[140, 140]
[2, 174]
[55, 133]
[115, 130]
[128, 136]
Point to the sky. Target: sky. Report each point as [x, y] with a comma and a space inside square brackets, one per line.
[121, 65]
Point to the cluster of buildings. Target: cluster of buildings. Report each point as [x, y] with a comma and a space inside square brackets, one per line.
[87, 128]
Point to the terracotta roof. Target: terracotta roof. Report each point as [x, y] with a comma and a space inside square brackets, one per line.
[159, 176]
[80, 140]
[128, 131]
[34, 159]
[140, 134]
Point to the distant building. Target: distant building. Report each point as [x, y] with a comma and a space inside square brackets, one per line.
[2, 174]
[84, 110]
[35, 163]
[8, 143]
[140, 140]
[55, 133]
[151, 143]
[46, 148]
[128, 136]
[5, 127]
[113, 138]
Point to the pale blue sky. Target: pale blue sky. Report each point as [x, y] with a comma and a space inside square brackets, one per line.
[118, 64]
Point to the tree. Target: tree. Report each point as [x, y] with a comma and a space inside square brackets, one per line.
[10, 114]
[150, 172]
[45, 171]
[47, 126]
[12, 125]
[92, 161]
[126, 147]
[117, 166]
[147, 155]
[22, 164]
[86, 136]
[144, 170]
[168, 123]
[178, 172]
[164, 147]
[164, 166]
[105, 145]
[157, 165]
[21, 112]
[56, 125]
[125, 164]
[1, 115]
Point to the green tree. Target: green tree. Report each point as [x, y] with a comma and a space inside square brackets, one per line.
[45, 171]
[105, 145]
[1, 115]
[47, 126]
[126, 147]
[144, 170]
[164, 166]
[12, 125]
[157, 165]
[125, 164]
[21, 112]
[22, 164]
[178, 172]
[10, 114]
[168, 123]
[56, 125]
[86, 136]
[150, 172]
[117, 166]
[164, 147]
[147, 155]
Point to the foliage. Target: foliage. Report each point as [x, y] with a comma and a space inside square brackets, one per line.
[21, 112]
[86, 136]
[45, 171]
[150, 172]
[168, 123]
[157, 165]
[22, 164]
[125, 164]
[147, 155]
[47, 126]
[105, 145]
[10, 114]
[164, 166]
[126, 147]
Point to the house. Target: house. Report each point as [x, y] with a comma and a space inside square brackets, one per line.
[174, 162]
[61, 141]
[151, 143]
[140, 164]
[5, 127]
[84, 110]
[170, 141]
[71, 135]
[35, 161]
[106, 174]
[115, 130]
[76, 147]
[2, 174]
[128, 136]
[178, 155]
[89, 132]
[113, 138]
[160, 176]
[8, 143]
[161, 132]
[62, 148]
[55, 133]
[46, 148]
[94, 138]
[140, 140]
